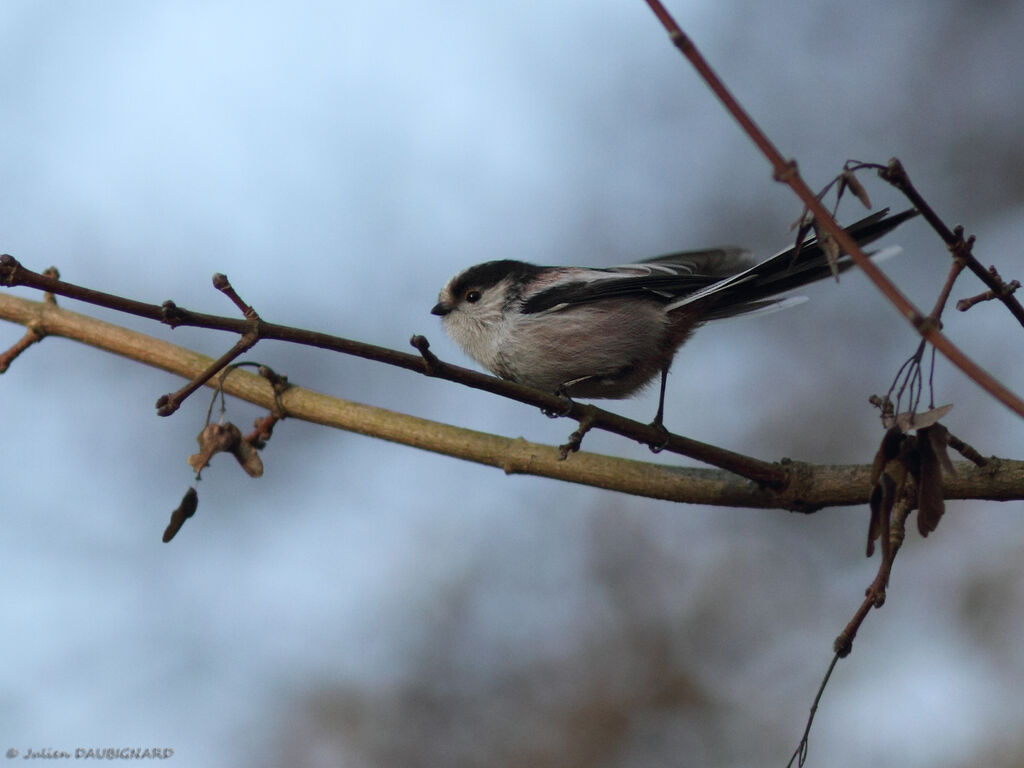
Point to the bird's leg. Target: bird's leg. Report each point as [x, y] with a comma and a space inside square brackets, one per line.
[660, 415]
[562, 393]
[586, 421]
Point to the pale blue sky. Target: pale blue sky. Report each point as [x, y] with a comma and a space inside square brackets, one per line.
[339, 163]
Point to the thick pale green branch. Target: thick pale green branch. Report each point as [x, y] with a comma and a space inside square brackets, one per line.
[812, 487]
[252, 327]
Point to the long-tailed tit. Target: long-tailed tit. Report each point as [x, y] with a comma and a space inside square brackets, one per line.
[606, 333]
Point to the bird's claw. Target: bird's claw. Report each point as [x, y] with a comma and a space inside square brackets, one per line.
[664, 434]
[567, 401]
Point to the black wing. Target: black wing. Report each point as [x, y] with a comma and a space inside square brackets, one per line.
[673, 277]
[663, 278]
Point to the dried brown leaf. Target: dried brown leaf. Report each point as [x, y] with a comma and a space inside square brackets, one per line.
[909, 420]
[249, 458]
[938, 436]
[214, 438]
[883, 498]
[829, 246]
[930, 503]
[803, 224]
[849, 179]
[887, 451]
[874, 524]
[185, 510]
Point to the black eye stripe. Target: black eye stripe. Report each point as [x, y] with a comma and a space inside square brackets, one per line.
[489, 274]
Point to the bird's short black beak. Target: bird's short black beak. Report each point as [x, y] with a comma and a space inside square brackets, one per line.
[440, 310]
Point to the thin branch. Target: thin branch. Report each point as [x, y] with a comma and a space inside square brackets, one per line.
[168, 404]
[33, 335]
[874, 596]
[896, 175]
[966, 450]
[786, 171]
[800, 755]
[811, 487]
[1007, 289]
[13, 273]
[910, 373]
[940, 303]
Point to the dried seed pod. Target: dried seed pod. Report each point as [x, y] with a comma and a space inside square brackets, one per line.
[214, 438]
[850, 181]
[829, 246]
[887, 451]
[930, 503]
[185, 510]
[249, 458]
[911, 420]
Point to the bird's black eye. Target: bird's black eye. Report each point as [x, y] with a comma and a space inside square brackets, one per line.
[473, 297]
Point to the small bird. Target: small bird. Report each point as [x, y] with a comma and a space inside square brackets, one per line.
[607, 332]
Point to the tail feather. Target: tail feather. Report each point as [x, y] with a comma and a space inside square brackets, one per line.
[755, 288]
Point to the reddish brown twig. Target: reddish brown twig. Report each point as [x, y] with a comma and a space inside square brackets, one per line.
[896, 174]
[800, 755]
[168, 404]
[786, 171]
[221, 283]
[874, 596]
[430, 360]
[910, 373]
[966, 450]
[1002, 292]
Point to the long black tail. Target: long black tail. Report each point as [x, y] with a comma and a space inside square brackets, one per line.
[758, 287]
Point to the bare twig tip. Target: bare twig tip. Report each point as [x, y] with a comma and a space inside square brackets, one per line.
[9, 267]
[222, 284]
[851, 182]
[422, 346]
[166, 405]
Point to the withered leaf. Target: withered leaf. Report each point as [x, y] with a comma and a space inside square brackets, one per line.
[214, 438]
[930, 503]
[887, 451]
[909, 420]
[249, 458]
[874, 524]
[938, 436]
[829, 246]
[802, 225]
[185, 510]
[883, 498]
[849, 180]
